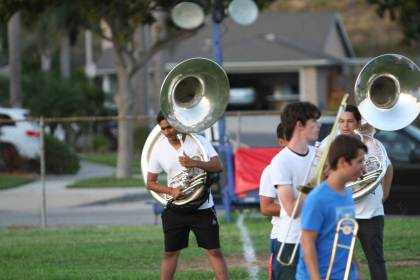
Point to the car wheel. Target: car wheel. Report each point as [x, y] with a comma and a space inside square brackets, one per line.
[10, 157]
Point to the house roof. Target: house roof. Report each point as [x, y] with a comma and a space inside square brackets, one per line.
[274, 39]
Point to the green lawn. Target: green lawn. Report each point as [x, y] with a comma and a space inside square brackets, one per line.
[107, 182]
[7, 182]
[135, 252]
[110, 182]
[108, 159]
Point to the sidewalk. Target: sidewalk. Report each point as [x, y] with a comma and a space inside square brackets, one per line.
[74, 207]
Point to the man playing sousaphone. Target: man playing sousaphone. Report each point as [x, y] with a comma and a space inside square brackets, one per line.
[172, 156]
[194, 95]
[369, 209]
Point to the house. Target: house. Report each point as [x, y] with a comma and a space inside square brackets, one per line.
[282, 57]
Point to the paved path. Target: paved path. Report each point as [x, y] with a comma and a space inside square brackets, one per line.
[76, 207]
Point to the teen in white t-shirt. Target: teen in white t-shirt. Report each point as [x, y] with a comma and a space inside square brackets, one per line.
[288, 169]
[267, 189]
[269, 206]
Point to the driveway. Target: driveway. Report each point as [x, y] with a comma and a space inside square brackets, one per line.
[21, 206]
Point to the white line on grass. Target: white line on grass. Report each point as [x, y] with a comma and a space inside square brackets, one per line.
[248, 249]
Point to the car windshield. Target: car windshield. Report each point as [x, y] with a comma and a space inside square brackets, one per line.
[413, 131]
[399, 144]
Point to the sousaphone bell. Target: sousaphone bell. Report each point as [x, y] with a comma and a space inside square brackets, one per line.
[387, 93]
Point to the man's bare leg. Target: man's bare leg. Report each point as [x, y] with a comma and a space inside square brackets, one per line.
[218, 263]
[168, 266]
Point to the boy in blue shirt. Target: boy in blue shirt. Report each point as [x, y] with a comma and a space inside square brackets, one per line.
[324, 207]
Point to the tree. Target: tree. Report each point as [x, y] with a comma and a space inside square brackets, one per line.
[406, 12]
[123, 18]
[15, 60]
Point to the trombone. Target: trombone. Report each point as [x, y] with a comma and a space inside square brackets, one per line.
[311, 184]
[346, 225]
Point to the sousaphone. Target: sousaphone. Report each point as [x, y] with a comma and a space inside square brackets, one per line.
[387, 93]
[193, 96]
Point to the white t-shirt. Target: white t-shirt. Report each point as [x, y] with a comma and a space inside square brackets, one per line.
[165, 158]
[289, 168]
[371, 205]
[267, 189]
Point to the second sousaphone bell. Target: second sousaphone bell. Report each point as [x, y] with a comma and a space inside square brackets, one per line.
[388, 92]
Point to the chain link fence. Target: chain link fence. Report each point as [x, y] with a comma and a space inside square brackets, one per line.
[49, 199]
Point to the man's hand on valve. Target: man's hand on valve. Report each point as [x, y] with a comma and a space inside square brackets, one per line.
[176, 192]
[187, 162]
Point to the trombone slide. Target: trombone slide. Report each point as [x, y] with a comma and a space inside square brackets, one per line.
[346, 225]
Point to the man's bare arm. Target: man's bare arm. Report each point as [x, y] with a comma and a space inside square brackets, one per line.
[153, 185]
[268, 207]
[310, 254]
[287, 198]
[213, 165]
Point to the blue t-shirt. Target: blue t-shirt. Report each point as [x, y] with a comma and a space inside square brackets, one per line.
[322, 209]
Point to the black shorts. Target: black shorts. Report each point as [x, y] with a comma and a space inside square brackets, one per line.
[177, 226]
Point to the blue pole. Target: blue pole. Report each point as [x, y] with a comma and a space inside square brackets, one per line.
[224, 146]
[218, 57]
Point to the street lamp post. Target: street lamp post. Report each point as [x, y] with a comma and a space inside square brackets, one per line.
[189, 15]
[224, 148]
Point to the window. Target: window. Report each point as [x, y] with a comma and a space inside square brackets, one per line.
[6, 117]
[398, 145]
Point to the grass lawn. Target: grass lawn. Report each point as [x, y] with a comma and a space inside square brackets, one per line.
[135, 252]
[7, 182]
[107, 182]
[112, 182]
[108, 159]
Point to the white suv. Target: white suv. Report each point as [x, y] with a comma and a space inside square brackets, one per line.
[18, 139]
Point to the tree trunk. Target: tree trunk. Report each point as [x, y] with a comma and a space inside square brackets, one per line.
[124, 101]
[15, 60]
[65, 55]
[158, 32]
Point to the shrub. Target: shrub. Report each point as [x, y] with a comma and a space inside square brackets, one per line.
[140, 136]
[59, 157]
[101, 143]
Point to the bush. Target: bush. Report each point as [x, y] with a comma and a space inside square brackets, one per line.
[4, 91]
[101, 143]
[140, 136]
[59, 157]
